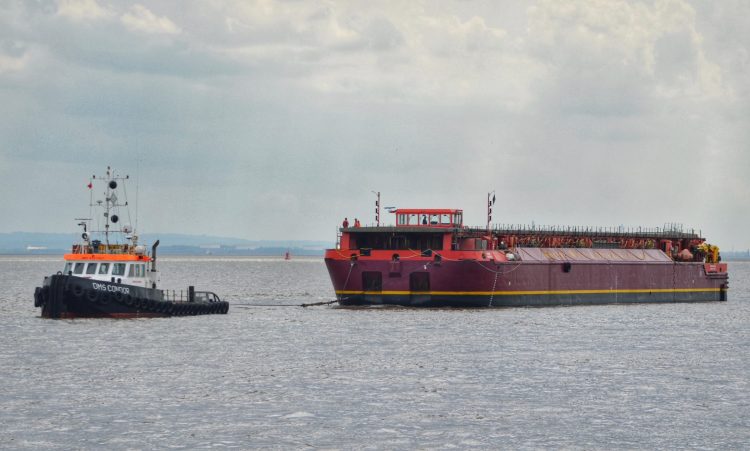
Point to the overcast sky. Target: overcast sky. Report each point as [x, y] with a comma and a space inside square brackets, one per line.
[275, 119]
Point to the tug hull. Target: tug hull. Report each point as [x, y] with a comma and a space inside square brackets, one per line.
[64, 296]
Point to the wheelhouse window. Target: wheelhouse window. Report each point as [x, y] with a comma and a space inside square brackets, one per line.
[104, 268]
[118, 269]
[78, 268]
[131, 273]
[68, 265]
[398, 241]
[91, 268]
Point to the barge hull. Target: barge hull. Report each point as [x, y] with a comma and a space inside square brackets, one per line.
[527, 300]
[472, 283]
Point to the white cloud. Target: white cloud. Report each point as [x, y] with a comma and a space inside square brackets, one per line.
[142, 19]
[603, 102]
[10, 63]
[656, 48]
[82, 10]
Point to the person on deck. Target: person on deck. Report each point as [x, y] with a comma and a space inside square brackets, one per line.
[345, 224]
[356, 222]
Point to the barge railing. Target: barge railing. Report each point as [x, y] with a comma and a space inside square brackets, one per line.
[591, 231]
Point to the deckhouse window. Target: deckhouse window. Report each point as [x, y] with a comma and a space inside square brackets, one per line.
[131, 273]
[104, 268]
[67, 267]
[401, 241]
[445, 218]
[91, 268]
[118, 269]
[413, 219]
[78, 268]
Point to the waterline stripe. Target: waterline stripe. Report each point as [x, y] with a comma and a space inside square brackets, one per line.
[522, 293]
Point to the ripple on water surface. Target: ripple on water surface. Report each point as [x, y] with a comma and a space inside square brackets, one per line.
[636, 376]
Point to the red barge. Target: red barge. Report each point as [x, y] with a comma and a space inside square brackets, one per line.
[430, 259]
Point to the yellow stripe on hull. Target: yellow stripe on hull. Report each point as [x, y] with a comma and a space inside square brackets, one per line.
[522, 293]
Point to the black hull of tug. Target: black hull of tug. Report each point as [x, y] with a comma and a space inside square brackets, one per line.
[63, 296]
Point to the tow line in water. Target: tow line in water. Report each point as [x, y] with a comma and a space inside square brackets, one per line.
[285, 305]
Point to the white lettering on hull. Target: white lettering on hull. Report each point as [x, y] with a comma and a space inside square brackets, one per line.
[112, 288]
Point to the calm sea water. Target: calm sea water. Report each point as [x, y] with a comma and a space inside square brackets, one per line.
[278, 376]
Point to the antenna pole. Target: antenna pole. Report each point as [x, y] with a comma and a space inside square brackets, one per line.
[490, 203]
[377, 208]
[91, 198]
[137, 183]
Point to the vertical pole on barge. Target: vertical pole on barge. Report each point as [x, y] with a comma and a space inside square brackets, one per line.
[377, 208]
[490, 203]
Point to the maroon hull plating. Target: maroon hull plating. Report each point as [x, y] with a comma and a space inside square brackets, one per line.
[474, 283]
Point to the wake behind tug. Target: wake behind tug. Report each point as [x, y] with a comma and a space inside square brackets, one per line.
[116, 280]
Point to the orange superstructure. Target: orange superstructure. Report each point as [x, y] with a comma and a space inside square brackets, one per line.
[108, 257]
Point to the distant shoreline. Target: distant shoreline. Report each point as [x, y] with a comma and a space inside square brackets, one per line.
[274, 256]
[275, 253]
[191, 251]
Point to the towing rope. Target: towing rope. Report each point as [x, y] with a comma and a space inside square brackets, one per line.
[312, 304]
[494, 284]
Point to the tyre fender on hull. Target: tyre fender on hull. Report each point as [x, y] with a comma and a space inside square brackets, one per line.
[78, 291]
[93, 296]
[38, 297]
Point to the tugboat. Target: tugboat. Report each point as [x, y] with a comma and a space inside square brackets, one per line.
[115, 276]
[430, 259]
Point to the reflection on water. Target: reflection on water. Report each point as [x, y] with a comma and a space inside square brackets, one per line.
[266, 375]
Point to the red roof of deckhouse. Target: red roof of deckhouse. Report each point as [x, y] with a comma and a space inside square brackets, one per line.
[427, 211]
